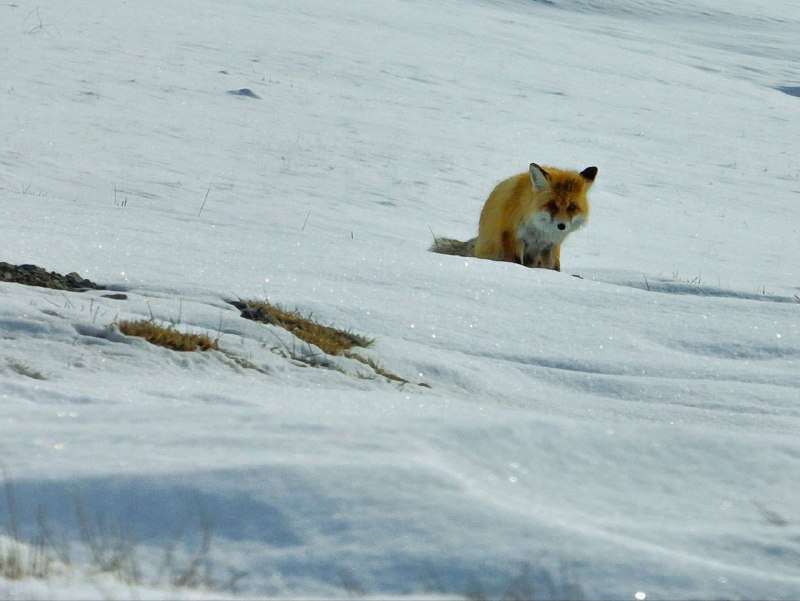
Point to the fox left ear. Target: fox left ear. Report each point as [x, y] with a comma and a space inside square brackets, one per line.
[540, 179]
[589, 174]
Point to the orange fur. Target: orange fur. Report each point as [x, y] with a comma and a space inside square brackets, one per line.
[527, 216]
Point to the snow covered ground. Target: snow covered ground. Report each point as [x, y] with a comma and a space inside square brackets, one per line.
[630, 434]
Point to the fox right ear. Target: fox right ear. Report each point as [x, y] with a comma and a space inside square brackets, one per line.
[589, 174]
[539, 178]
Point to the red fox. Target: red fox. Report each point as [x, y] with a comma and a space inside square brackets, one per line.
[527, 217]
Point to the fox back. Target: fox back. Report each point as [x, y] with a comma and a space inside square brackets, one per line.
[528, 216]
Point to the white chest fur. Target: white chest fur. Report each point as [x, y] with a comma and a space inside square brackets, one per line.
[541, 231]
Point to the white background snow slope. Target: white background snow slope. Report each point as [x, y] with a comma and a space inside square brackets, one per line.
[633, 431]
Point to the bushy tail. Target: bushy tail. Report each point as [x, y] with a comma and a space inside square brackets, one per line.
[449, 246]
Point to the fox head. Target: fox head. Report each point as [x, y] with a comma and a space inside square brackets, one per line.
[562, 204]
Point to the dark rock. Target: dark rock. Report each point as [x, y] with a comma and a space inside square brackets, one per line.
[33, 275]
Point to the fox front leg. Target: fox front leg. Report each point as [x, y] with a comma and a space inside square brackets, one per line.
[520, 258]
[547, 258]
[555, 254]
[513, 250]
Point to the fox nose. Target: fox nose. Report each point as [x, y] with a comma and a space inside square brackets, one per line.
[562, 226]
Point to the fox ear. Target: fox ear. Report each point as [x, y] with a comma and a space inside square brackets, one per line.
[589, 174]
[539, 178]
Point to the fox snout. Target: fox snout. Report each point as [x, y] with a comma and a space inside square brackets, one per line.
[561, 225]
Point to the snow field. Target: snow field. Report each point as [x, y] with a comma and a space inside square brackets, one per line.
[633, 429]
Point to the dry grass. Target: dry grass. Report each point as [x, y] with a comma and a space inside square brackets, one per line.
[330, 341]
[19, 560]
[379, 369]
[167, 336]
[188, 559]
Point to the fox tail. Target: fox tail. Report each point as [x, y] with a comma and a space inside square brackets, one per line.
[449, 246]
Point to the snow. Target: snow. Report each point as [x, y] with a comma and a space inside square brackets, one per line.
[632, 431]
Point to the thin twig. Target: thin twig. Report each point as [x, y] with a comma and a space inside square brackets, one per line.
[149, 308]
[35, 28]
[205, 198]
[11, 504]
[435, 241]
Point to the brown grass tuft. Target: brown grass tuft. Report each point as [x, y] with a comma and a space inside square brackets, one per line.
[167, 337]
[378, 369]
[330, 341]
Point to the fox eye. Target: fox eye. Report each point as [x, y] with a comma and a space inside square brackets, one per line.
[572, 207]
[552, 206]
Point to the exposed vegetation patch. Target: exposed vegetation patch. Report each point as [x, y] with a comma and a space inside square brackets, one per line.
[167, 336]
[33, 275]
[379, 369]
[330, 340]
